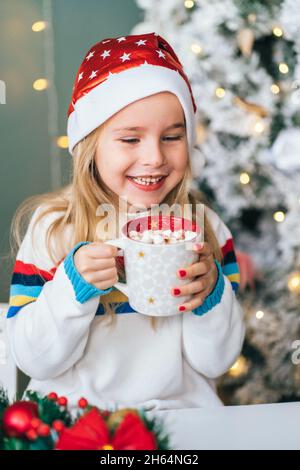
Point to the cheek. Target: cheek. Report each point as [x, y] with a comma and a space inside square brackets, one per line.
[179, 162]
[112, 164]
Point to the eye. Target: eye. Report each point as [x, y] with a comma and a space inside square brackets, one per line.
[129, 141]
[168, 138]
[174, 137]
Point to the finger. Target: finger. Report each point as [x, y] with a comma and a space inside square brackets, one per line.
[204, 249]
[99, 276]
[101, 250]
[195, 302]
[197, 286]
[196, 269]
[97, 264]
[106, 284]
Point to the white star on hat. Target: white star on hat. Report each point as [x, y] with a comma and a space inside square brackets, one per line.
[125, 57]
[121, 39]
[161, 54]
[90, 55]
[105, 54]
[93, 74]
[80, 76]
[141, 42]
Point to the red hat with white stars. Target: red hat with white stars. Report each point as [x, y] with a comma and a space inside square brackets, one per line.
[119, 71]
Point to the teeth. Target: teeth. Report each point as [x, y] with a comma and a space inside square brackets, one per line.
[147, 181]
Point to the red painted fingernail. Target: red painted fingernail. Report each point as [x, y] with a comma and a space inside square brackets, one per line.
[182, 308]
[176, 291]
[182, 272]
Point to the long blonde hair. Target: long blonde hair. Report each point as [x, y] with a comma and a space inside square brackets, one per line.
[78, 202]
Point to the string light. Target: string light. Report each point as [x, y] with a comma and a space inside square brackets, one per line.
[283, 68]
[40, 84]
[239, 367]
[39, 26]
[251, 17]
[294, 282]
[259, 314]
[201, 133]
[279, 216]
[196, 48]
[189, 3]
[220, 92]
[259, 127]
[275, 89]
[62, 142]
[244, 178]
[277, 31]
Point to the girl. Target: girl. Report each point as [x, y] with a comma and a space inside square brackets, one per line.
[131, 129]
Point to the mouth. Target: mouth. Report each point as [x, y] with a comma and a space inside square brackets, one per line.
[147, 183]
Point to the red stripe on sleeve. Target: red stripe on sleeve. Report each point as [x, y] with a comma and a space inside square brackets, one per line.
[31, 269]
[227, 247]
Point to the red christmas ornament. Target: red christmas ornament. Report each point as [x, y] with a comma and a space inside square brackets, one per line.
[62, 401]
[35, 423]
[52, 396]
[91, 432]
[58, 425]
[17, 418]
[82, 403]
[31, 434]
[43, 430]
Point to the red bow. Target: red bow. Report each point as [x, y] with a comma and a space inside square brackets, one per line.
[91, 432]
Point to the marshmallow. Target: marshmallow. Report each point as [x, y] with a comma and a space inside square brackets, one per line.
[162, 237]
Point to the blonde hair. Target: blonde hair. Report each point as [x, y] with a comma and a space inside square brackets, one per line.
[78, 202]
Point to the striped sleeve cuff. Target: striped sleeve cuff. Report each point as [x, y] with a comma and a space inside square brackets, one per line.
[215, 296]
[82, 289]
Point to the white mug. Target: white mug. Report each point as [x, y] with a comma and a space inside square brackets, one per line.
[151, 270]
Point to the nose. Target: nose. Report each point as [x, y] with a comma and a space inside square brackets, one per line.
[153, 155]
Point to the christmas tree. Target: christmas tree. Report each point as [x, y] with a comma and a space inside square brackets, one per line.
[243, 60]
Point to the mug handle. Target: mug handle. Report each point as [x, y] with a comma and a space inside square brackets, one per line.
[119, 243]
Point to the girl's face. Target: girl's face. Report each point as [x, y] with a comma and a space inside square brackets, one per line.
[142, 151]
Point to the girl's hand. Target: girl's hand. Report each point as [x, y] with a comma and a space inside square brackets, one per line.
[97, 264]
[204, 274]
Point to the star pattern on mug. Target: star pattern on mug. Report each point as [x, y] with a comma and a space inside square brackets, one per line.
[141, 254]
[151, 300]
[153, 224]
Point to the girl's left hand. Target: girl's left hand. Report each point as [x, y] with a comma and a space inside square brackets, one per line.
[204, 274]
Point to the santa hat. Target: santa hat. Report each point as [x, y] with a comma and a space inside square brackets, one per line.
[119, 71]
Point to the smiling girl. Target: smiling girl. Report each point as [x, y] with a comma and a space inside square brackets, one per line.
[131, 131]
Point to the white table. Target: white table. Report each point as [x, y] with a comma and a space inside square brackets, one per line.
[272, 426]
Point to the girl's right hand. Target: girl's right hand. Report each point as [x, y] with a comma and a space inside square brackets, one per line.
[97, 264]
